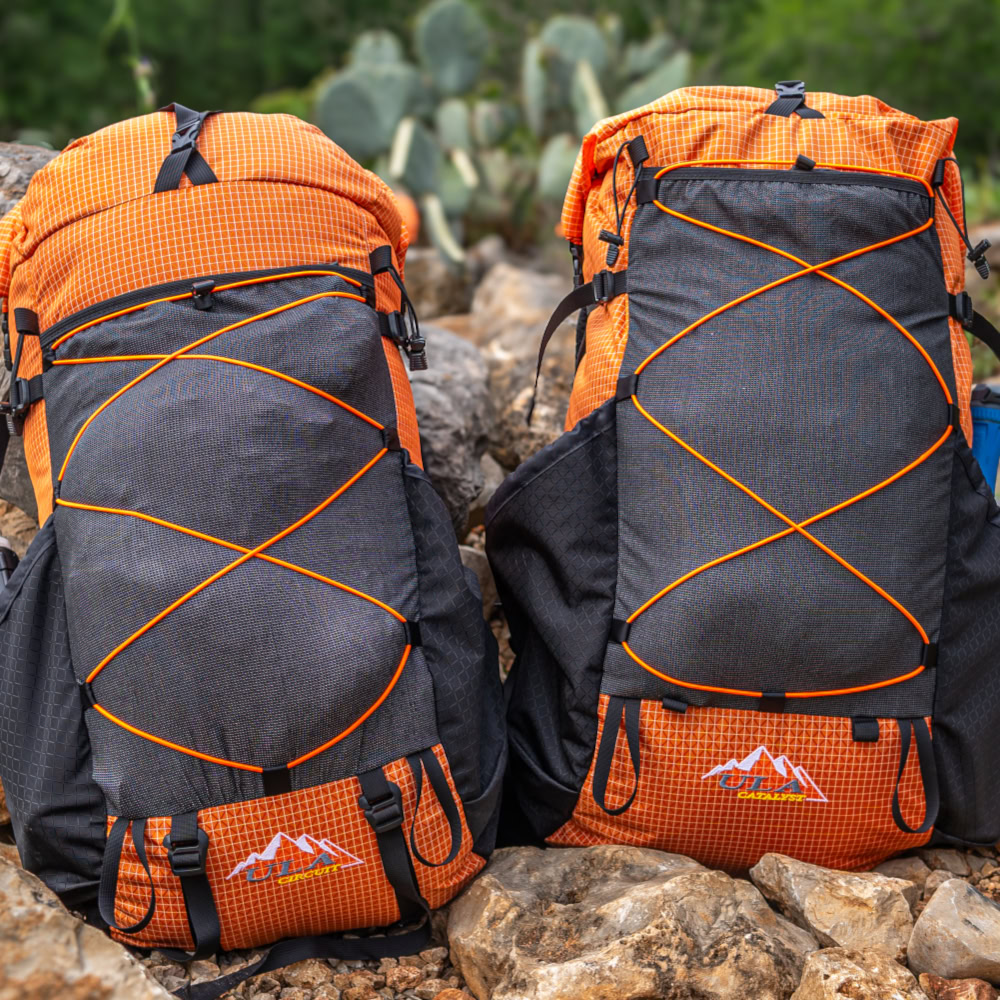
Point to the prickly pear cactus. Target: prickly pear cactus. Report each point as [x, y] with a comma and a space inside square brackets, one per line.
[646, 56]
[589, 103]
[373, 48]
[451, 40]
[452, 121]
[345, 111]
[568, 39]
[415, 159]
[555, 167]
[492, 121]
[673, 73]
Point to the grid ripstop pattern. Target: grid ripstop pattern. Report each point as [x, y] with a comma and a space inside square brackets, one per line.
[699, 123]
[677, 809]
[256, 913]
[90, 228]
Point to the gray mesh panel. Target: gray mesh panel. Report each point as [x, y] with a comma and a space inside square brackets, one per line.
[808, 397]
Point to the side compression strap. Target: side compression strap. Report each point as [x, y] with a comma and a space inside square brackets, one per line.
[605, 286]
[960, 308]
[606, 751]
[109, 873]
[426, 763]
[187, 852]
[382, 803]
[184, 157]
[928, 773]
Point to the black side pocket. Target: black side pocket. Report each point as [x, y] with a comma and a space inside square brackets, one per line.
[461, 655]
[57, 809]
[552, 540]
[967, 703]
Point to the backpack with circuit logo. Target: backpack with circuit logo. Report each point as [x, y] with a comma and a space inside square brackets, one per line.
[248, 693]
[754, 588]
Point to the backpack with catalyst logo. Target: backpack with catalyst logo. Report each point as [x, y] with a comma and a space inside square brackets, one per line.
[754, 589]
[247, 690]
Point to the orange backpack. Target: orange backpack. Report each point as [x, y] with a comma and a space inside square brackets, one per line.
[754, 587]
[248, 691]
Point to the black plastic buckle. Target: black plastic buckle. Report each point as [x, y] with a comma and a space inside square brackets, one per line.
[187, 135]
[187, 858]
[604, 286]
[384, 814]
[790, 88]
[18, 406]
[5, 327]
[576, 252]
[396, 328]
[965, 311]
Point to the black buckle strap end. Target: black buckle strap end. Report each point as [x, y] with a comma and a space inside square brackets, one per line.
[187, 857]
[384, 813]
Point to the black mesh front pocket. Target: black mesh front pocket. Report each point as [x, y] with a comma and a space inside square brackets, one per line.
[57, 810]
[552, 539]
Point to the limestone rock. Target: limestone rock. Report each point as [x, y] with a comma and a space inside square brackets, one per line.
[49, 953]
[910, 869]
[622, 922]
[938, 988]
[455, 416]
[958, 935]
[935, 880]
[475, 559]
[308, 974]
[945, 859]
[844, 974]
[862, 910]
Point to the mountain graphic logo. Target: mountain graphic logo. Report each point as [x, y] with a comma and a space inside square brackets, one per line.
[294, 859]
[764, 777]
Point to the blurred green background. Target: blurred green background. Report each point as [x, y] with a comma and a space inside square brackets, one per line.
[475, 107]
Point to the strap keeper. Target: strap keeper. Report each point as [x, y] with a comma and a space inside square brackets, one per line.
[413, 637]
[390, 439]
[386, 813]
[277, 780]
[960, 307]
[645, 190]
[929, 655]
[187, 857]
[803, 162]
[626, 387]
[937, 178]
[864, 729]
[773, 701]
[620, 630]
[603, 283]
[380, 259]
[674, 705]
[26, 322]
[637, 151]
[201, 293]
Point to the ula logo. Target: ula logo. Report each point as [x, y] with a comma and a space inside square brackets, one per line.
[763, 777]
[293, 859]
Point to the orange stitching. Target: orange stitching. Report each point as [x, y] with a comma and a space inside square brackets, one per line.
[188, 295]
[184, 350]
[235, 548]
[228, 361]
[793, 527]
[238, 562]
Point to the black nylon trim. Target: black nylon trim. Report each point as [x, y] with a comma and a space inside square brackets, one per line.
[928, 773]
[864, 730]
[606, 751]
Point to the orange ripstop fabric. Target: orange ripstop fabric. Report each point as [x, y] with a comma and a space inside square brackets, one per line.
[294, 891]
[90, 228]
[712, 123]
[695, 799]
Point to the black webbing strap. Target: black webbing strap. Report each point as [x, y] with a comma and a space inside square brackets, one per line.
[293, 950]
[606, 751]
[109, 873]
[23, 392]
[184, 157]
[928, 773]
[426, 763]
[382, 804]
[604, 286]
[187, 852]
[792, 100]
[960, 308]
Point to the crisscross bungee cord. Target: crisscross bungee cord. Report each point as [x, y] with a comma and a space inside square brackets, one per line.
[792, 527]
[258, 552]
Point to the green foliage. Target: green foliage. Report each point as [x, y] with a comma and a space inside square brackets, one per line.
[451, 40]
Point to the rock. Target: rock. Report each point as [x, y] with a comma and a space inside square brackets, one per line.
[263, 984]
[202, 971]
[935, 880]
[945, 859]
[49, 953]
[510, 308]
[455, 416]
[977, 862]
[958, 935]
[845, 974]
[475, 559]
[403, 977]
[326, 992]
[451, 994]
[4, 813]
[909, 869]
[16, 526]
[430, 988]
[434, 286]
[295, 993]
[365, 992]
[937, 988]
[862, 910]
[621, 922]
[17, 165]
[8, 853]
[308, 974]
[493, 475]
